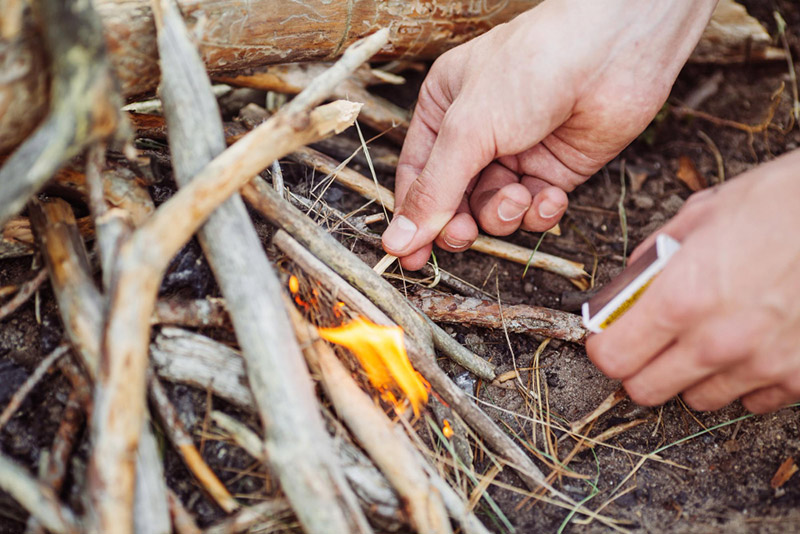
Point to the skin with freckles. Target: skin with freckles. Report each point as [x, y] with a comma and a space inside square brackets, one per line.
[507, 124]
[722, 321]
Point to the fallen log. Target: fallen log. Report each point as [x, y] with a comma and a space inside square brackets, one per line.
[235, 38]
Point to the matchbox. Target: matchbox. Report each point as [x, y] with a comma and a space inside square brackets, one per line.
[608, 304]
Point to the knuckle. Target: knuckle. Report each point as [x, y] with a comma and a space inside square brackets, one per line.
[605, 357]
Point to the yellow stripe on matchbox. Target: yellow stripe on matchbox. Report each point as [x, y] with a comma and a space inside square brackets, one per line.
[622, 308]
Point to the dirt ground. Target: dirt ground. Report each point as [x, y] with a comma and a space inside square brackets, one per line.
[716, 481]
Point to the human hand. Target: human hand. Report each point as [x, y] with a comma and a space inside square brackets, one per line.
[722, 320]
[509, 122]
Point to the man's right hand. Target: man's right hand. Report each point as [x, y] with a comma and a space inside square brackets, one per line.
[509, 122]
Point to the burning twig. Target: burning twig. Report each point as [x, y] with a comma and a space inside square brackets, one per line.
[369, 189]
[37, 498]
[182, 441]
[351, 296]
[523, 319]
[344, 262]
[371, 427]
[23, 294]
[22, 393]
[302, 455]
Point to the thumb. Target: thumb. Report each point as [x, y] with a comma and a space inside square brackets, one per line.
[429, 197]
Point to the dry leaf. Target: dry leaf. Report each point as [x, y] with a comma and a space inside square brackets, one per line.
[784, 473]
[688, 174]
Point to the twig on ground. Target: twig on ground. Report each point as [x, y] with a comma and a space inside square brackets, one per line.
[609, 402]
[192, 313]
[301, 450]
[39, 500]
[182, 441]
[712, 146]
[22, 393]
[523, 319]
[488, 245]
[23, 294]
[58, 460]
[182, 520]
[355, 299]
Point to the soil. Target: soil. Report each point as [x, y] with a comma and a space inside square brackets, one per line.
[718, 480]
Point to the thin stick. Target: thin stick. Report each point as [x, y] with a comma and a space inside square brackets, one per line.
[609, 402]
[181, 518]
[182, 441]
[22, 393]
[369, 189]
[38, 499]
[25, 291]
[192, 313]
[523, 319]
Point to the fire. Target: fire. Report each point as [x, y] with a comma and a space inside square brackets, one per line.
[382, 354]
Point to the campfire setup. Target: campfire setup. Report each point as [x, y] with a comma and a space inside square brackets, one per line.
[106, 198]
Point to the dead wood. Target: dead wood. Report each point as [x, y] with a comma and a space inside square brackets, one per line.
[189, 358]
[142, 260]
[84, 105]
[367, 188]
[372, 488]
[23, 294]
[38, 499]
[344, 291]
[519, 318]
[299, 448]
[17, 241]
[194, 313]
[79, 301]
[378, 113]
[182, 441]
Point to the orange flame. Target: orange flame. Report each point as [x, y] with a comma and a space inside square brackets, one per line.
[447, 430]
[382, 354]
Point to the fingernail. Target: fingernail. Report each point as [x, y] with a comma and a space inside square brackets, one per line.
[455, 243]
[548, 209]
[399, 234]
[508, 210]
